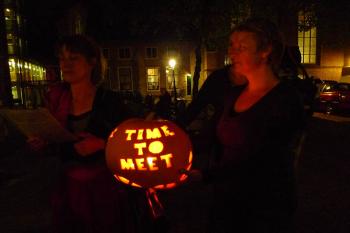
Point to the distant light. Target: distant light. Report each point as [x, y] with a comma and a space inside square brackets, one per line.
[172, 63]
[8, 10]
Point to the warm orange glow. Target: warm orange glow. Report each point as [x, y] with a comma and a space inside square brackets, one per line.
[149, 154]
[183, 177]
[161, 186]
[140, 134]
[113, 133]
[139, 147]
[140, 164]
[156, 147]
[167, 158]
[153, 134]
[127, 164]
[171, 185]
[189, 167]
[151, 163]
[150, 133]
[129, 132]
[166, 131]
[136, 185]
[122, 179]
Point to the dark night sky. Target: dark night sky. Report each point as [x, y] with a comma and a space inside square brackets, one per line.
[108, 20]
[41, 29]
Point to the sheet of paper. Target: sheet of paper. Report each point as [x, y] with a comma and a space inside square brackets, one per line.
[37, 122]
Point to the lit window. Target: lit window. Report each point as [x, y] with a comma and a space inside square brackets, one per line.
[125, 78]
[151, 53]
[153, 79]
[124, 53]
[307, 36]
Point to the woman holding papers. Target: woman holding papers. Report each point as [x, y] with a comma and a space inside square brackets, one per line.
[87, 198]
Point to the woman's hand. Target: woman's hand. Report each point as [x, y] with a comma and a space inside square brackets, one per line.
[36, 144]
[194, 175]
[89, 144]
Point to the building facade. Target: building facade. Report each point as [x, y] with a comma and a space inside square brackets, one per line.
[143, 67]
[27, 77]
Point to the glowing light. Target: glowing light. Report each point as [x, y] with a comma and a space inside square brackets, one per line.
[172, 63]
[139, 147]
[167, 158]
[190, 157]
[183, 177]
[152, 166]
[166, 131]
[170, 185]
[136, 185]
[153, 134]
[122, 179]
[156, 147]
[127, 164]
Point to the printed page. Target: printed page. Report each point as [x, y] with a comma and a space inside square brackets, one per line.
[38, 122]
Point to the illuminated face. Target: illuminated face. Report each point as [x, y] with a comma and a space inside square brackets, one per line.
[243, 53]
[74, 66]
[149, 153]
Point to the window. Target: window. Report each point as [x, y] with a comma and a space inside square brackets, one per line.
[153, 79]
[124, 53]
[151, 52]
[125, 78]
[307, 36]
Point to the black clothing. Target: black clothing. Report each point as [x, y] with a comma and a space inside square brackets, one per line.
[254, 178]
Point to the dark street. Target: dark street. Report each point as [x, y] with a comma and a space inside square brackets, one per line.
[323, 188]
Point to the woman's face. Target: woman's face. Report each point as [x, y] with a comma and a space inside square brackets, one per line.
[74, 66]
[244, 54]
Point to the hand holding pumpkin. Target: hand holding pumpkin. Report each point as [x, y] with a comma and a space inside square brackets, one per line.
[194, 175]
[36, 144]
[89, 144]
[149, 153]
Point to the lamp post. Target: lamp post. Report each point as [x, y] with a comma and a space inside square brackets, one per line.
[172, 63]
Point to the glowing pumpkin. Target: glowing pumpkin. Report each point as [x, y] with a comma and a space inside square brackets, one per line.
[149, 153]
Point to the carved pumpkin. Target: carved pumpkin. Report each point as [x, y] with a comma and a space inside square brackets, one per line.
[149, 153]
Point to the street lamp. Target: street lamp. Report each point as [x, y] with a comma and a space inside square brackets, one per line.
[172, 63]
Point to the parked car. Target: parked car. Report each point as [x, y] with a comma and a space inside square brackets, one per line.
[334, 97]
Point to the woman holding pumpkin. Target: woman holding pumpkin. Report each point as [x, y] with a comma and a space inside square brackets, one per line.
[87, 198]
[253, 179]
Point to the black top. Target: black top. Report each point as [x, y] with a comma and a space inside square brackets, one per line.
[107, 112]
[254, 187]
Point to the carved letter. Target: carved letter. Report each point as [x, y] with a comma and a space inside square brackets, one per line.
[153, 134]
[152, 166]
[127, 164]
[129, 132]
[139, 134]
[167, 158]
[140, 165]
[166, 131]
[139, 147]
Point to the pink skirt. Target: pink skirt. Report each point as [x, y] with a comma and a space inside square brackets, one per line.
[88, 199]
